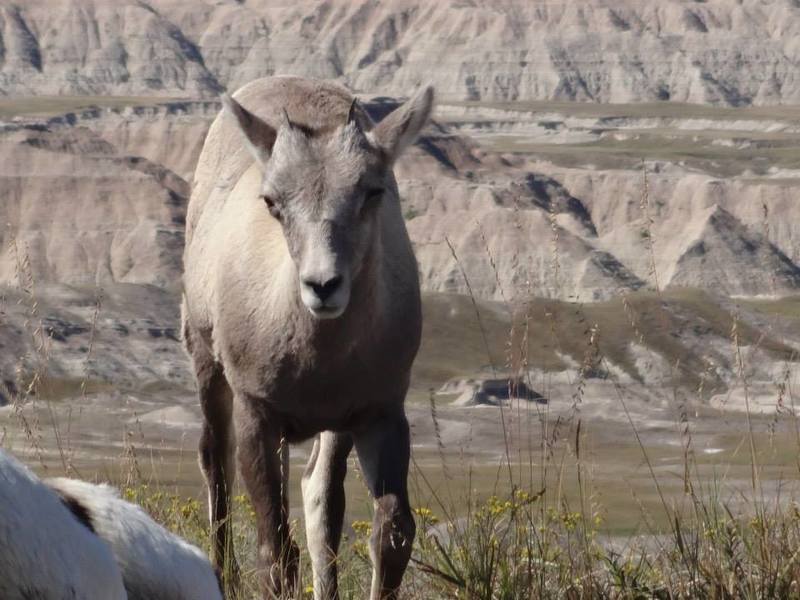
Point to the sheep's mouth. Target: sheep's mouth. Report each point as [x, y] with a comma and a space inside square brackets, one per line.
[329, 307]
[326, 311]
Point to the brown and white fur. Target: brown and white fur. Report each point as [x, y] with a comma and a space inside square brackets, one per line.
[47, 551]
[155, 564]
[302, 316]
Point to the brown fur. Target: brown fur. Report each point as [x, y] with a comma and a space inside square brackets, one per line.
[264, 362]
[79, 511]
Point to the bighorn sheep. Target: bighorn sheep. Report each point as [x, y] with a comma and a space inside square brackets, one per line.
[155, 564]
[302, 316]
[45, 551]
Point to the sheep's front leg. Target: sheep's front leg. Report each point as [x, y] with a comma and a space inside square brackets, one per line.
[383, 450]
[217, 446]
[323, 504]
[264, 465]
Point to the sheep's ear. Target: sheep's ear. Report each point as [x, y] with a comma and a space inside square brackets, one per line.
[402, 126]
[259, 135]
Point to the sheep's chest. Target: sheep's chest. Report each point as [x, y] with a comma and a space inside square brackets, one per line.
[313, 388]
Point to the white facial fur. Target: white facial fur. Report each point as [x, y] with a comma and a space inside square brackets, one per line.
[323, 188]
[317, 189]
[321, 264]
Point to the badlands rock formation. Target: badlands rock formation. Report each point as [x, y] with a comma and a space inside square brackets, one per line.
[93, 203]
[504, 200]
[721, 52]
[98, 197]
[76, 211]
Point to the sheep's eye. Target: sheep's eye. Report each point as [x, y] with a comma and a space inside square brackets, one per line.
[272, 207]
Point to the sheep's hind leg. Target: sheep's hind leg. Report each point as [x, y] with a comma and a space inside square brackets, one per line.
[323, 504]
[264, 465]
[383, 451]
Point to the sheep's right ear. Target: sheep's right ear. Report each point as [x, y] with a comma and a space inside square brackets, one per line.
[259, 135]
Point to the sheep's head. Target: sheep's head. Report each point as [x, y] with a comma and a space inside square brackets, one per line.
[325, 187]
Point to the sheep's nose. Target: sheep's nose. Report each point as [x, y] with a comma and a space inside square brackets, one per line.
[324, 290]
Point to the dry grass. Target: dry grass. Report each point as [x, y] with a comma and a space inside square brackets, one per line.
[615, 136]
[543, 326]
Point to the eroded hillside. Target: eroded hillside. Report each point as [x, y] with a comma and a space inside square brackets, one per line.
[98, 196]
[509, 203]
[727, 53]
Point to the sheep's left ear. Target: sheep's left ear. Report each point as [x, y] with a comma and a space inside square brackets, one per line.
[259, 135]
[402, 126]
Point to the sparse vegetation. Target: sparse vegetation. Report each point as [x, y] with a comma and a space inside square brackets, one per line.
[46, 106]
[540, 545]
[410, 213]
[555, 329]
[622, 133]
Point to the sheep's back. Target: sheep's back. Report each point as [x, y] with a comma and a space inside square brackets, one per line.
[45, 552]
[155, 563]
